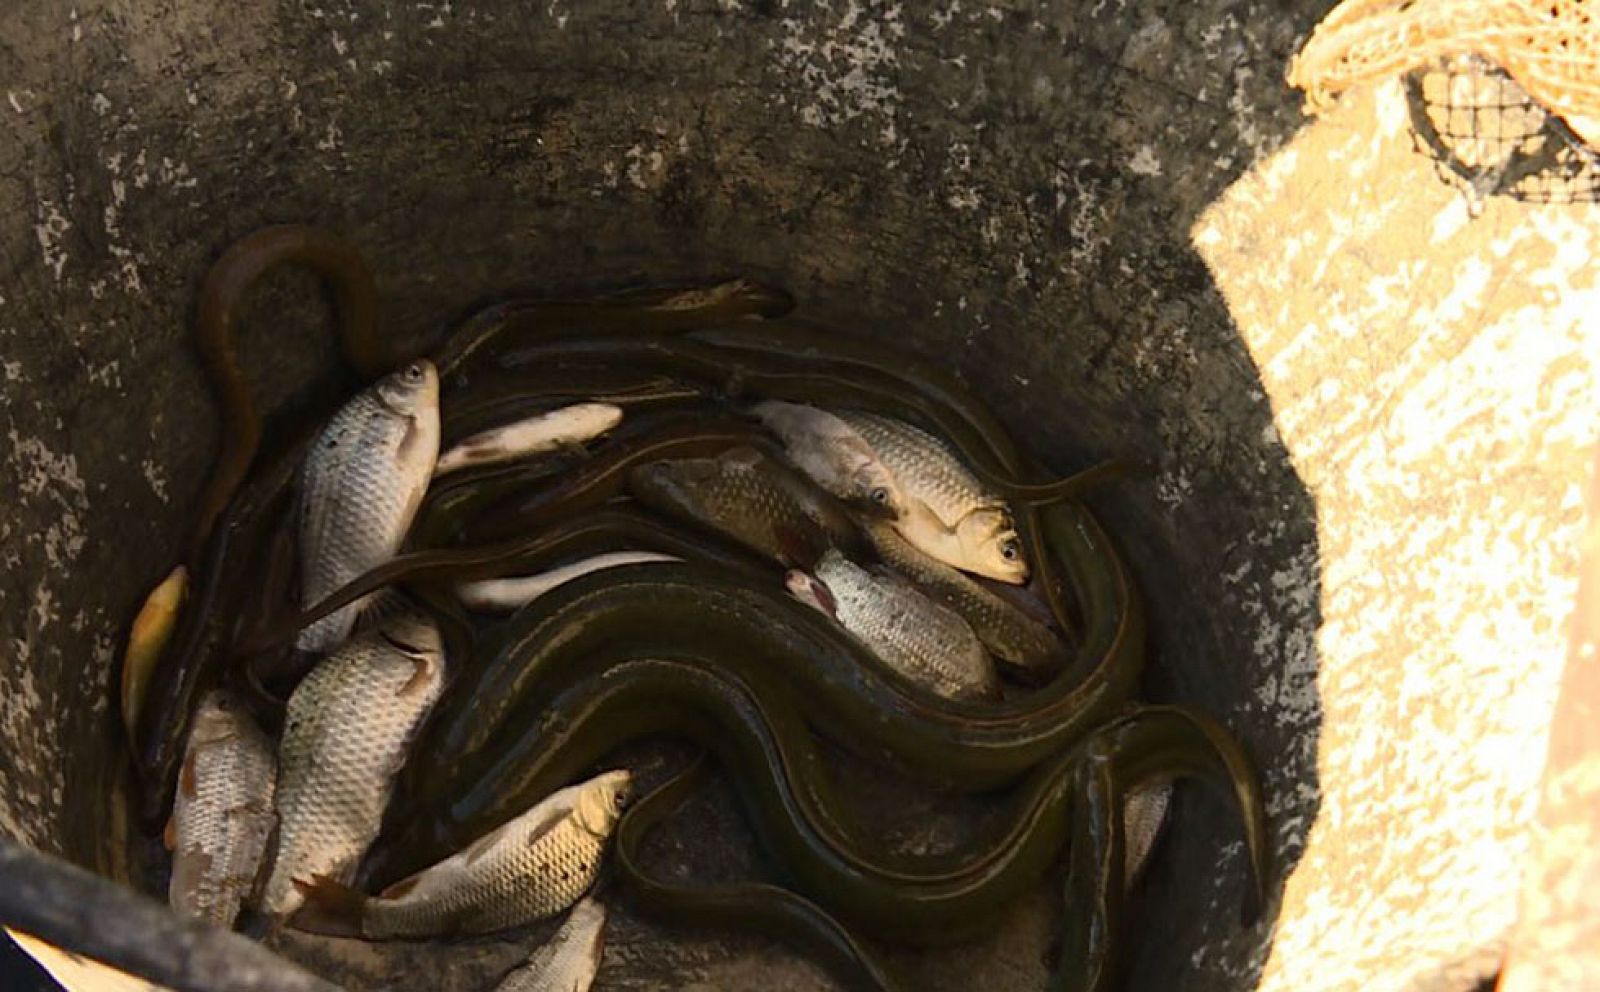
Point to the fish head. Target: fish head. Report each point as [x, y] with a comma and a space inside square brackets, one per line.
[869, 486]
[677, 486]
[812, 591]
[412, 634]
[411, 389]
[991, 547]
[602, 800]
[217, 718]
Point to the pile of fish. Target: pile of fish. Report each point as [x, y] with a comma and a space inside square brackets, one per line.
[377, 699]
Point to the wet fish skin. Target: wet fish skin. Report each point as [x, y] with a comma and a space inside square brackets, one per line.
[928, 643]
[507, 594]
[529, 868]
[222, 816]
[147, 639]
[833, 455]
[1144, 813]
[1006, 630]
[549, 431]
[748, 496]
[360, 487]
[346, 730]
[946, 513]
[984, 543]
[924, 466]
[568, 961]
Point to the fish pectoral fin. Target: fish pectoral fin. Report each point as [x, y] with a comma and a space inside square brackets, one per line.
[420, 676]
[331, 907]
[169, 835]
[186, 779]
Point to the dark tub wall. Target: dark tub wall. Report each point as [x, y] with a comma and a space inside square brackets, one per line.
[1008, 186]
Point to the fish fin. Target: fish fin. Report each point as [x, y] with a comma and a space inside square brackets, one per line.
[169, 834]
[331, 907]
[479, 847]
[186, 778]
[400, 888]
[801, 544]
[419, 677]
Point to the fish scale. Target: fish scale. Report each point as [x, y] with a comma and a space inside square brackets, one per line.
[345, 735]
[222, 817]
[923, 466]
[744, 494]
[924, 641]
[567, 962]
[530, 868]
[1002, 627]
[360, 488]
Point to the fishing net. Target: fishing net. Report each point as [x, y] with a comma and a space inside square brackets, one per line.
[1505, 94]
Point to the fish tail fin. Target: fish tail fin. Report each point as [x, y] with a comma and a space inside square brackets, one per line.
[331, 907]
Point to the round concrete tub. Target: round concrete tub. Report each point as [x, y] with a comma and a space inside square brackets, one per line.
[1367, 410]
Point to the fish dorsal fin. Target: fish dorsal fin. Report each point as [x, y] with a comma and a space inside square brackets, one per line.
[186, 779]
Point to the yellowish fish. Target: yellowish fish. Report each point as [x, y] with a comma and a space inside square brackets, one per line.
[946, 512]
[530, 868]
[147, 639]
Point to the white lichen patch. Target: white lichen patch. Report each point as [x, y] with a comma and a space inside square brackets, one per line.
[1434, 380]
[847, 65]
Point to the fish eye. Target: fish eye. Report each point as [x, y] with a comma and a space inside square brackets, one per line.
[414, 372]
[880, 495]
[1009, 551]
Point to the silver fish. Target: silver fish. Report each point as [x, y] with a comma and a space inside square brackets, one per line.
[223, 815]
[529, 868]
[1144, 813]
[568, 961]
[360, 487]
[504, 595]
[834, 455]
[345, 736]
[1005, 629]
[923, 641]
[570, 425]
[946, 511]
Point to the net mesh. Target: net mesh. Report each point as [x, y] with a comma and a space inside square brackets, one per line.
[1504, 93]
[1490, 137]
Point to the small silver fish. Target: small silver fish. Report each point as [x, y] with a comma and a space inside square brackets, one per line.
[1144, 813]
[1004, 628]
[345, 735]
[834, 455]
[570, 425]
[222, 817]
[505, 595]
[568, 961]
[360, 488]
[926, 642]
[529, 868]
[946, 512]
